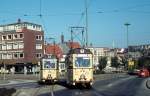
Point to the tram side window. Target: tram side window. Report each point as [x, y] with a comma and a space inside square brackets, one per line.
[48, 64]
[82, 62]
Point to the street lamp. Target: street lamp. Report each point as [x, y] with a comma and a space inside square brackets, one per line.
[127, 25]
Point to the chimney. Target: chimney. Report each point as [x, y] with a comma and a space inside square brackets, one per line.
[62, 38]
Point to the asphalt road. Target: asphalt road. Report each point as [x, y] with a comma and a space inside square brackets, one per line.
[122, 86]
[106, 85]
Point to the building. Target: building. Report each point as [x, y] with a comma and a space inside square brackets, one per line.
[21, 46]
[98, 52]
[53, 49]
[140, 50]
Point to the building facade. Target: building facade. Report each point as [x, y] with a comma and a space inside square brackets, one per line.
[21, 46]
[98, 52]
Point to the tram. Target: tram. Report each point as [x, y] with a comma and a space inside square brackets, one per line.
[79, 64]
[49, 70]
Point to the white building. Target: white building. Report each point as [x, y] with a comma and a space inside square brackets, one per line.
[98, 52]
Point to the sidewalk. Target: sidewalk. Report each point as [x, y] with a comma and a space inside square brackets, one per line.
[17, 81]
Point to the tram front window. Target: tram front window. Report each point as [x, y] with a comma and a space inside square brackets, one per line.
[49, 64]
[82, 62]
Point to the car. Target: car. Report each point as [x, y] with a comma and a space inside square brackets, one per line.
[144, 72]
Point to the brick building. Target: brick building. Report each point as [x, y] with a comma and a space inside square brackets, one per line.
[21, 46]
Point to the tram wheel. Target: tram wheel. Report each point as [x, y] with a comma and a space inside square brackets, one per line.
[88, 86]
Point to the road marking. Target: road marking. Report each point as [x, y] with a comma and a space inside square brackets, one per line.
[97, 94]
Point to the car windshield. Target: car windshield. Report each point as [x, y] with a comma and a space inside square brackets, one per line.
[49, 64]
[82, 62]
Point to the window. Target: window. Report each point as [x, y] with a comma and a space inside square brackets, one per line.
[21, 35]
[38, 46]
[9, 46]
[49, 64]
[4, 47]
[9, 37]
[38, 55]
[4, 37]
[15, 55]
[15, 36]
[4, 56]
[82, 62]
[15, 46]
[38, 37]
[34, 26]
[21, 55]
[21, 45]
[9, 56]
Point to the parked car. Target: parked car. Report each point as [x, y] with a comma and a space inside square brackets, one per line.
[133, 72]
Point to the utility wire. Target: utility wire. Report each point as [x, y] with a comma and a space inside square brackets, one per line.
[127, 9]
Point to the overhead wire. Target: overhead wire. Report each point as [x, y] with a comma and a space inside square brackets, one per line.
[82, 15]
[128, 9]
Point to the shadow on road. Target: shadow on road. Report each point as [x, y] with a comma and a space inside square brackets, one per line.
[7, 92]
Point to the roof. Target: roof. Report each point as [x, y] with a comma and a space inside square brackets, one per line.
[79, 51]
[20, 22]
[64, 48]
[53, 49]
[73, 45]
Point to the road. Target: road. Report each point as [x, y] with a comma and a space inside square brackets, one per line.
[104, 85]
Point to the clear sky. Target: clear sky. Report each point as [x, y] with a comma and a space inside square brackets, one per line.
[106, 18]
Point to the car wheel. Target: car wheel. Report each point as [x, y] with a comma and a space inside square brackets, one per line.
[148, 83]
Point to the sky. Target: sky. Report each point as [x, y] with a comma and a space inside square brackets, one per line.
[106, 19]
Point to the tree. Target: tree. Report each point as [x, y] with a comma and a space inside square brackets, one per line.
[114, 62]
[102, 63]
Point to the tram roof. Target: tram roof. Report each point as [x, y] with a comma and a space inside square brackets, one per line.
[79, 51]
